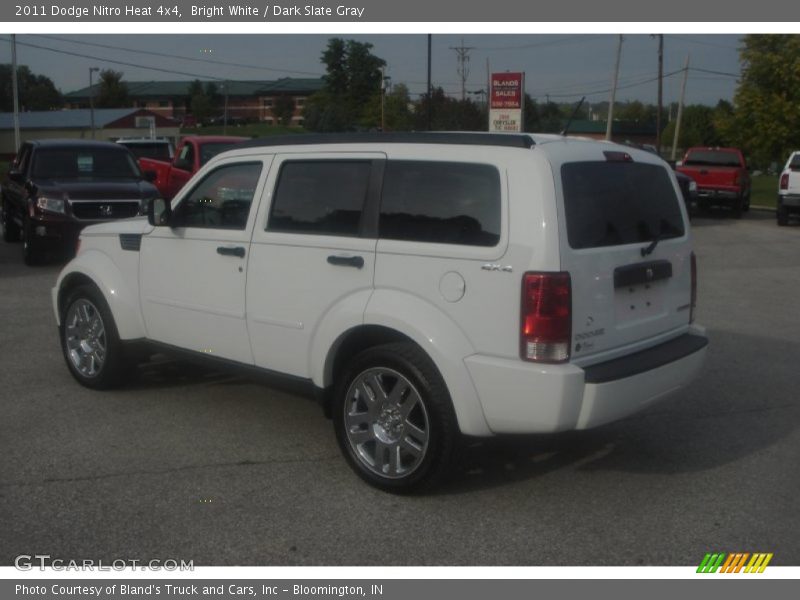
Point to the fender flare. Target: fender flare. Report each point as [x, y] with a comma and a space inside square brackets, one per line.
[101, 270]
[442, 340]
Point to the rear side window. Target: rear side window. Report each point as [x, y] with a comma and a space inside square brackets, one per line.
[441, 202]
[616, 203]
[794, 164]
[323, 197]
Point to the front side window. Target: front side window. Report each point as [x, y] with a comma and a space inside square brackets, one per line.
[324, 197]
[441, 202]
[221, 200]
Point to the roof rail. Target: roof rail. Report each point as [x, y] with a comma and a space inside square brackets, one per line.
[422, 137]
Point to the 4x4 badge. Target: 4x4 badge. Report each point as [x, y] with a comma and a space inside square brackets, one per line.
[496, 267]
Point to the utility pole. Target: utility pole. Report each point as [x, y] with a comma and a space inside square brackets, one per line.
[613, 90]
[463, 68]
[225, 110]
[680, 109]
[91, 97]
[15, 91]
[430, 88]
[660, 91]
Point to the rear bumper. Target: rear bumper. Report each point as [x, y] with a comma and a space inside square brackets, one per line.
[789, 200]
[519, 397]
[718, 194]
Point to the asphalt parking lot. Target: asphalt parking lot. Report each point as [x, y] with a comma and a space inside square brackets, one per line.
[221, 470]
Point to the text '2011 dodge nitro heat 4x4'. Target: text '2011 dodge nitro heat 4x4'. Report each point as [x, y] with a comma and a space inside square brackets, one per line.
[422, 286]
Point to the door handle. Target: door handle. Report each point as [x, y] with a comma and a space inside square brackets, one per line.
[231, 251]
[347, 261]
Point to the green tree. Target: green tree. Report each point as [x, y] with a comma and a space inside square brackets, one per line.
[112, 91]
[200, 103]
[765, 120]
[352, 81]
[698, 128]
[449, 114]
[36, 92]
[283, 109]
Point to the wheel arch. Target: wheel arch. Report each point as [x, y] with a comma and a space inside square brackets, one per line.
[97, 269]
[409, 319]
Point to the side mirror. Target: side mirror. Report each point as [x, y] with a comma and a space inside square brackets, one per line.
[182, 164]
[159, 212]
[150, 175]
[16, 176]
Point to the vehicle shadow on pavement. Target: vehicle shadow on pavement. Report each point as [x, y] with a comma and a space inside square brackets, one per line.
[723, 216]
[702, 428]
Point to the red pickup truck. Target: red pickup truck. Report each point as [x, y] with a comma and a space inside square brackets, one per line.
[721, 175]
[192, 153]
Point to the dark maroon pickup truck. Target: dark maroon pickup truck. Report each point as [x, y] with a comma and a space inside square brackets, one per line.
[721, 175]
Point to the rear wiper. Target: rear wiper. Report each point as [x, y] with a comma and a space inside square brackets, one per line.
[649, 250]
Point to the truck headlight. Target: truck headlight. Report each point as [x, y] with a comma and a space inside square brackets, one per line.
[51, 205]
[693, 186]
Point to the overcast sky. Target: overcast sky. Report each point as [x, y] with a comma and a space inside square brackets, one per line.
[563, 67]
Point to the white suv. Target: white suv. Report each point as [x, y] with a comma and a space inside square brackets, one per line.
[422, 286]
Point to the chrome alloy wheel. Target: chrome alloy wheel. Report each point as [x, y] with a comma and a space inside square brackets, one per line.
[85, 337]
[386, 423]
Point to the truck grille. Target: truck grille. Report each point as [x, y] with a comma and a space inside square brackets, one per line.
[101, 211]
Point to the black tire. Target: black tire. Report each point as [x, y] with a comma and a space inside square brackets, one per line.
[704, 206]
[738, 207]
[85, 344]
[10, 228]
[31, 253]
[399, 439]
[782, 216]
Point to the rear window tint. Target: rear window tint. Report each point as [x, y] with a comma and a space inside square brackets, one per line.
[441, 202]
[712, 158]
[616, 203]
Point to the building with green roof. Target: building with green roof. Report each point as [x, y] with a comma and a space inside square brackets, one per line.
[246, 100]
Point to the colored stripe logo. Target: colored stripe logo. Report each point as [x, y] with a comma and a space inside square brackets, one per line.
[735, 562]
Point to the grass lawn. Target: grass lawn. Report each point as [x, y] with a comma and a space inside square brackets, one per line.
[764, 190]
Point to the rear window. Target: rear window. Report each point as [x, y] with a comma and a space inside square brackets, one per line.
[794, 164]
[441, 202]
[616, 203]
[148, 150]
[712, 158]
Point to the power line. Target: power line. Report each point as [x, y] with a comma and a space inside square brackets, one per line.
[118, 62]
[173, 56]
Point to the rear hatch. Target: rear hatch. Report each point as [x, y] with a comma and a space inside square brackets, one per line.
[625, 243]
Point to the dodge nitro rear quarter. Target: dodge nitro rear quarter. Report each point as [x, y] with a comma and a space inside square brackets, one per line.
[422, 286]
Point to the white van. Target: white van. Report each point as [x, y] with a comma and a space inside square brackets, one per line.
[422, 286]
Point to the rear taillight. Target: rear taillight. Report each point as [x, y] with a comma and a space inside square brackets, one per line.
[694, 288]
[546, 317]
[785, 181]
